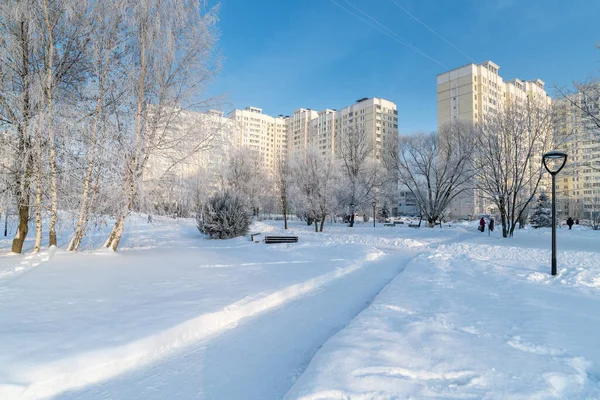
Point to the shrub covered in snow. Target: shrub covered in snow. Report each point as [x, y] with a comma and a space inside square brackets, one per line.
[542, 212]
[224, 215]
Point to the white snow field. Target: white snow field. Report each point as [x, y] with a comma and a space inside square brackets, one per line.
[361, 313]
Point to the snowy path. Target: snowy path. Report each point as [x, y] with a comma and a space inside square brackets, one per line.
[477, 319]
[174, 313]
[261, 357]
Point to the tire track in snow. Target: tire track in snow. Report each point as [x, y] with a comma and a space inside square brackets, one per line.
[78, 371]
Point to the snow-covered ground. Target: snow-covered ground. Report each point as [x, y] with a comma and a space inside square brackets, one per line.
[357, 313]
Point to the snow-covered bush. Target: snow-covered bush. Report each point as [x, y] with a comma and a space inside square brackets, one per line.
[542, 212]
[224, 215]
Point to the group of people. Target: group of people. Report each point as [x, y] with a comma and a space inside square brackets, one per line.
[490, 225]
[570, 222]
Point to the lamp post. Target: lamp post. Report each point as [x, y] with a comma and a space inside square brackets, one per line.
[374, 204]
[556, 157]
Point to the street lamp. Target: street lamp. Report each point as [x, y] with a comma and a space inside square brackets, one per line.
[373, 204]
[558, 160]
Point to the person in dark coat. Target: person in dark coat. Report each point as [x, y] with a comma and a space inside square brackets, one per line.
[491, 225]
[570, 222]
[482, 224]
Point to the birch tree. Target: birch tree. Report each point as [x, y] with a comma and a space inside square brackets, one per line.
[107, 77]
[246, 177]
[283, 182]
[360, 172]
[315, 177]
[172, 55]
[510, 144]
[434, 167]
[18, 68]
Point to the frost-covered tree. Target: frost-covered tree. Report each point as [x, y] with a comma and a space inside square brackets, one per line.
[315, 177]
[171, 56]
[360, 172]
[434, 167]
[509, 146]
[245, 175]
[283, 183]
[225, 215]
[541, 216]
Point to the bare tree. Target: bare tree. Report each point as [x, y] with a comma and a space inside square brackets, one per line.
[283, 181]
[434, 167]
[509, 146]
[172, 56]
[360, 170]
[585, 97]
[246, 177]
[18, 68]
[315, 176]
[107, 76]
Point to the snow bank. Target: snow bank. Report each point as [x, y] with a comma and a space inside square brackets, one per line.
[470, 320]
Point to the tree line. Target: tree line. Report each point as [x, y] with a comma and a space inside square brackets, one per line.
[89, 91]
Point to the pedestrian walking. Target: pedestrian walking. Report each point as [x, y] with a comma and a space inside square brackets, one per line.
[482, 224]
[570, 222]
[491, 225]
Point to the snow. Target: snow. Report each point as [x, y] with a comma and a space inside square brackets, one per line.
[361, 313]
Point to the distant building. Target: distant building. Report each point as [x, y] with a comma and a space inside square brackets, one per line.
[469, 93]
[306, 128]
[578, 185]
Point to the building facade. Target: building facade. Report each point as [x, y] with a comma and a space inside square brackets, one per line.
[470, 93]
[261, 132]
[578, 185]
[323, 130]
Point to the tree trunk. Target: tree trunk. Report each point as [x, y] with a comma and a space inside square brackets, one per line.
[23, 227]
[316, 225]
[23, 195]
[322, 223]
[115, 235]
[49, 99]
[352, 212]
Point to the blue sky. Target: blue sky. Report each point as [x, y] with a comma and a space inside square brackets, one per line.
[284, 54]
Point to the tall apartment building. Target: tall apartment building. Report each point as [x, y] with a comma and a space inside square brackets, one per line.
[578, 185]
[323, 130]
[471, 92]
[261, 132]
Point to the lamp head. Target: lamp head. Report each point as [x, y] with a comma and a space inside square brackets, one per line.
[554, 161]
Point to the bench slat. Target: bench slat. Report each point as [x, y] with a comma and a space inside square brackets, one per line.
[281, 239]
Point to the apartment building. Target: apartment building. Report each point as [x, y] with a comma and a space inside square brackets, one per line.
[578, 185]
[378, 118]
[266, 134]
[471, 92]
[322, 130]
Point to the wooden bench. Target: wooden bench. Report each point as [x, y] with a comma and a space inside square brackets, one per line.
[390, 224]
[281, 239]
[413, 225]
[398, 222]
[253, 235]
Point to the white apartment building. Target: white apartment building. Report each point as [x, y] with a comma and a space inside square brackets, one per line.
[578, 185]
[378, 117]
[299, 129]
[280, 136]
[471, 92]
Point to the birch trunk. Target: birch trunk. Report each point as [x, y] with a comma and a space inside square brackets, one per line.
[39, 191]
[23, 181]
[48, 89]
